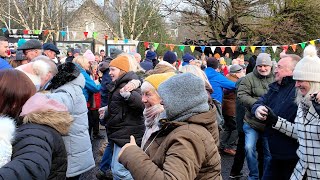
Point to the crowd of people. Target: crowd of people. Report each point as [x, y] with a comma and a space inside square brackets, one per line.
[165, 118]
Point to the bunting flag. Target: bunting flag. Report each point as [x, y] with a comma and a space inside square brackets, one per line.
[171, 47]
[14, 31]
[126, 41]
[263, 49]
[25, 31]
[155, 45]
[274, 48]
[136, 42]
[253, 48]
[222, 49]
[243, 48]
[106, 37]
[63, 33]
[213, 48]
[85, 34]
[285, 48]
[312, 42]
[45, 32]
[294, 47]
[182, 47]
[116, 39]
[94, 35]
[37, 31]
[146, 44]
[74, 34]
[4, 30]
[192, 48]
[203, 48]
[233, 48]
[303, 45]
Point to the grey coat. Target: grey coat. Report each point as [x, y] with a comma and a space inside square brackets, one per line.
[77, 142]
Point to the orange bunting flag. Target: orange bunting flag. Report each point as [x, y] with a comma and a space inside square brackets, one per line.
[171, 47]
[294, 47]
[223, 49]
[45, 32]
[253, 48]
[192, 48]
[233, 48]
[106, 37]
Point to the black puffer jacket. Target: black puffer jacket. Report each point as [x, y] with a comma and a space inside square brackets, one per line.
[125, 117]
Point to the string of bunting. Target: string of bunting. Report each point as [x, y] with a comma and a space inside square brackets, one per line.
[170, 46]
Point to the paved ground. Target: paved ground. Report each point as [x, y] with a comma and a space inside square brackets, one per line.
[90, 175]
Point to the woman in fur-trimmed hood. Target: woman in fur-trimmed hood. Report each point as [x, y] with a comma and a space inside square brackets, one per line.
[38, 151]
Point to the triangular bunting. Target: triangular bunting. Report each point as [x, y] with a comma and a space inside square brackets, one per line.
[116, 39]
[135, 42]
[126, 41]
[285, 48]
[203, 48]
[146, 44]
[85, 34]
[294, 47]
[74, 34]
[172, 47]
[243, 48]
[192, 48]
[155, 45]
[25, 31]
[213, 48]
[106, 37]
[312, 42]
[14, 31]
[233, 48]
[253, 48]
[274, 48]
[37, 31]
[94, 35]
[222, 49]
[45, 32]
[4, 30]
[263, 49]
[181, 47]
[63, 33]
[303, 45]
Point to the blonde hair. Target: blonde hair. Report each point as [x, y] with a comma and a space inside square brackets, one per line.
[314, 88]
[195, 70]
[81, 60]
[133, 64]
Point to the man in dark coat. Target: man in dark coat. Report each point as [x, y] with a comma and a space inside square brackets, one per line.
[280, 98]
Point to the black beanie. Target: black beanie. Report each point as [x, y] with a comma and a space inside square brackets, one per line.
[170, 57]
[212, 62]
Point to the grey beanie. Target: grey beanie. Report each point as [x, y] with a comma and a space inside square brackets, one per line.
[114, 52]
[264, 59]
[183, 95]
[31, 44]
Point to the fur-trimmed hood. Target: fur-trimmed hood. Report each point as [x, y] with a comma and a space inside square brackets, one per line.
[7, 131]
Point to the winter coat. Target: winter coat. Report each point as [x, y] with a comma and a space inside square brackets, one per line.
[106, 79]
[218, 82]
[162, 67]
[38, 149]
[77, 142]
[229, 99]
[4, 64]
[7, 131]
[147, 64]
[281, 99]
[306, 129]
[180, 150]
[124, 117]
[250, 89]
[90, 86]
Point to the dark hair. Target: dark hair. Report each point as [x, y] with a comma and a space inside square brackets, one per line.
[212, 62]
[15, 89]
[2, 38]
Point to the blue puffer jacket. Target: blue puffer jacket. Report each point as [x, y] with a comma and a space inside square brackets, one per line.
[280, 98]
[218, 82]
[4, 64]
[90, 86]
[106, 79]
[147, 64]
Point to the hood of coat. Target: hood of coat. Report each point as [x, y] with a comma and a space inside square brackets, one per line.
[7, 129]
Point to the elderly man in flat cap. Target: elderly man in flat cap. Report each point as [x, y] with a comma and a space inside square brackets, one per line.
[31, 49]
[51, 51]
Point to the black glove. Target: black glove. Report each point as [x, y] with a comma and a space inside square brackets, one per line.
[316, 105]
[272, 118]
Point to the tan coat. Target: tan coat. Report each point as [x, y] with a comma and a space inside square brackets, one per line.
[180, 150]
[229, 99]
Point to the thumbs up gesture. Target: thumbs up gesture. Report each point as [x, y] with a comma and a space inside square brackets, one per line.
[131, 143]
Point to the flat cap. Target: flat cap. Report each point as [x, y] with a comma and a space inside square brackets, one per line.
[20, 56]
[31, 44]
[50, 46]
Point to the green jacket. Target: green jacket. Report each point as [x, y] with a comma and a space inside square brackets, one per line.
[250, 89]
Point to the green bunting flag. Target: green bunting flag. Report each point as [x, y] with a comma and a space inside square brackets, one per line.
[181, 48]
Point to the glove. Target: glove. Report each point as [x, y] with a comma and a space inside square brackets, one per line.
[261, 113]
[316, 105]
[272, 118]
[125, 94]
[102, 112]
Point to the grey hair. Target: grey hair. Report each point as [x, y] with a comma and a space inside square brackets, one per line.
[45, 65]
[314, 88]
[146, 86]
[195, 70]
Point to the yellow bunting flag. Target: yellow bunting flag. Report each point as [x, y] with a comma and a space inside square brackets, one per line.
[116, 39]
[312, 42]
[253, 48]
[192, 48]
